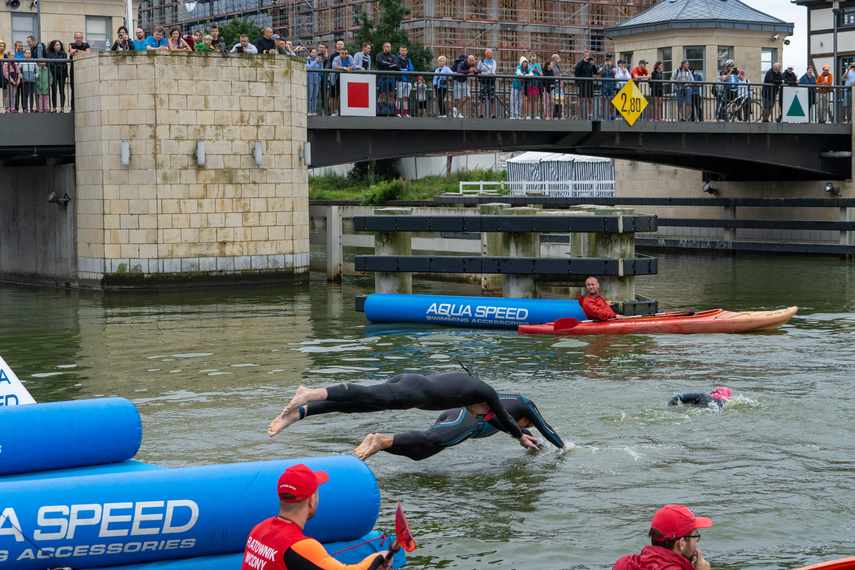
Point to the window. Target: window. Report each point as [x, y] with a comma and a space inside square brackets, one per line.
[98, 33]
[23, 25]
[847, 17]
[445, 9]
[724, 53]
[627, 57]
[844, 64]
[695, 55]
[596, 14]
[667, 62]
[508, 38]
[538, 8]
[478, 9]
[597, 41]
[767, 58]
[508, 11]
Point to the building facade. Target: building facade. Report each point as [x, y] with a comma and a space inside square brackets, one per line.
[820, 22]
[707, 34]
[61, 19]
[448, 27]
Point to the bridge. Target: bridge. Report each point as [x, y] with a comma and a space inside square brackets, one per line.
[730, 150]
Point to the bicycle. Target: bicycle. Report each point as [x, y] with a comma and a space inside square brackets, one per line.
[743, 108]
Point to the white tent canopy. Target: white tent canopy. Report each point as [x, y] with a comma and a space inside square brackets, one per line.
[561, 174]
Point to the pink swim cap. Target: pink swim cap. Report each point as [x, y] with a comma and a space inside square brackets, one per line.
[721, 393]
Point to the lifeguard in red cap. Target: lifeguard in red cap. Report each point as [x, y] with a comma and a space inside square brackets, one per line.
[279, 543]
[674, 540]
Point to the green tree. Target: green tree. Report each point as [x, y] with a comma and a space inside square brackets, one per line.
[388, 29]
[231, 32]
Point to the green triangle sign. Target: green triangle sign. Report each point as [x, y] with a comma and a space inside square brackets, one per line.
[796, 108]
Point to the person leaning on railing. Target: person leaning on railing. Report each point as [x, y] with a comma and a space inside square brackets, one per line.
[607, 72]
[809, 79]
[656, 89]
[487, 92]
[684, 78]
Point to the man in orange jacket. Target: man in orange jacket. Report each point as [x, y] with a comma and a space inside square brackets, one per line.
[825, 111]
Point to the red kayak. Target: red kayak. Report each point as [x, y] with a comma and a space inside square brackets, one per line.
[681, 322]
[839, 564]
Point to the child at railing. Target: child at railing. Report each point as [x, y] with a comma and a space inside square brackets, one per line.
[421, 96]
[29, 74]
[558, 101]
[43, 83]
[12, 79]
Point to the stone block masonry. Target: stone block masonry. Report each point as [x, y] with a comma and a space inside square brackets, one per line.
[164, 221]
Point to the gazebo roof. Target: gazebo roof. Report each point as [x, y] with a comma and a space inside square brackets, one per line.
[700, 14]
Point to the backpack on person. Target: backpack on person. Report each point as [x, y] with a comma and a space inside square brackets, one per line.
[456, 68]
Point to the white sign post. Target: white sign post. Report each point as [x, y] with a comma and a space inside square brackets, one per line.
[12, 392]
[796, 107]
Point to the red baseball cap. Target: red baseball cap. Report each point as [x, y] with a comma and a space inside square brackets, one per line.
[300, 481]
[675, 521]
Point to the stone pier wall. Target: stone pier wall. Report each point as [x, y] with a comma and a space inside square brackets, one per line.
[164, 220]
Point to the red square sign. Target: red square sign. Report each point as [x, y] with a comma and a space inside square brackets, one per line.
[357, 95]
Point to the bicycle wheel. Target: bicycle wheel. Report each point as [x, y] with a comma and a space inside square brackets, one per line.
[755, 114]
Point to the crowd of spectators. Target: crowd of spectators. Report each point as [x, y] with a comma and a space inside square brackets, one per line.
[468, 86]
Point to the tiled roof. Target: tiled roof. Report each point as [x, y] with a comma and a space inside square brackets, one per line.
[677, 14]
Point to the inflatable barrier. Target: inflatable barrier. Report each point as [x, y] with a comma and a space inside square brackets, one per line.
[120, 518]
[129, 466]
[467, 311]
[38, 437]
[346, 552]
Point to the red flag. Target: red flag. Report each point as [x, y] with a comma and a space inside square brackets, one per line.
[402, 531]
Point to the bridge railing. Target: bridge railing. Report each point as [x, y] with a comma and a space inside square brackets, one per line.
[443, 95]
[50, 79]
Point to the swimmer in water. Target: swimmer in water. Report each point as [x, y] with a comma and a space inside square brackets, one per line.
[405, 391]
[453, 427]
[717, 397]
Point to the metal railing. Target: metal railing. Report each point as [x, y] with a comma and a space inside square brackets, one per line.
[567, 188]
[44, 85]
[570, 98]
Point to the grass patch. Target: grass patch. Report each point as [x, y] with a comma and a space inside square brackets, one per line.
[330, 186]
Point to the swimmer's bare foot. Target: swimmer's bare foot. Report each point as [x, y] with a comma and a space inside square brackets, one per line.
[373, 443]
[282, 421]
[302, 397]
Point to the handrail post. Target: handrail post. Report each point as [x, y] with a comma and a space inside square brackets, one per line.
[393, 244]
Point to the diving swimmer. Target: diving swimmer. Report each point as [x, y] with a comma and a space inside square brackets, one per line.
[453, 427]
[717, 397]
[405, 391]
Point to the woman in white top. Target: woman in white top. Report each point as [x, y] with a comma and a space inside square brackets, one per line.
[176, 42]
[440, 85]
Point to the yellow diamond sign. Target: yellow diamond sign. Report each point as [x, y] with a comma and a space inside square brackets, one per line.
[630, 102]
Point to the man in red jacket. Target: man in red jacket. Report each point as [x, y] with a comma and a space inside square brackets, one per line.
[593, 305]
[674, 540]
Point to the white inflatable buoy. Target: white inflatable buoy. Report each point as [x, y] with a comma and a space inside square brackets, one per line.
[12, 392]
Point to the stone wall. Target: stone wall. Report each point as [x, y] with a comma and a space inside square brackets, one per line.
[164, 220]
[37, 238]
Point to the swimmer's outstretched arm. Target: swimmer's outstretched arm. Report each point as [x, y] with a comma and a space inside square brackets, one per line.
[291, 413]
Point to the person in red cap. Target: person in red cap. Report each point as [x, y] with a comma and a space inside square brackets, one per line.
[674, 540]
[279, 543]
[593, 305]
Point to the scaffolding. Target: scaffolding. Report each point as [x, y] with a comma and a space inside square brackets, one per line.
[448, 27]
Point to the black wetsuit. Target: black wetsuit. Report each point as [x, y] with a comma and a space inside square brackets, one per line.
[405, 391]
[457, 425]
[700, 400]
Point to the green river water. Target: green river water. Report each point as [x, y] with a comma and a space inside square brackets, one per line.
[773, 469]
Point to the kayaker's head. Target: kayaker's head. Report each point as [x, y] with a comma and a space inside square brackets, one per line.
[721, 393]
[592, 285]
[675, 527]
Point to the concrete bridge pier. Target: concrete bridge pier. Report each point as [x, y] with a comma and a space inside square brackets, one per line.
[520, 244]
[492, 245]
[393, 244]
